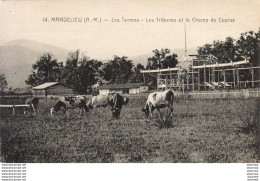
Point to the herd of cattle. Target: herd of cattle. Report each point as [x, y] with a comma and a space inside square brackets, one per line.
[115, 101]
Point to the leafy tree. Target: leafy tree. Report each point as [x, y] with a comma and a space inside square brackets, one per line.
[80, 72]
[225, 51]
[70, 74]
[136, 75]
[248, 45]
[3, 82]
[162, 59]
[117, 70]
[46, 69]
[89, 73]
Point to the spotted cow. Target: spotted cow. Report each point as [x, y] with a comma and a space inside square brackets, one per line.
[69, 102]
[114, 100]
[158, 100]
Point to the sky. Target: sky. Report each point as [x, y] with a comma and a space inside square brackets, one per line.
[24, 20]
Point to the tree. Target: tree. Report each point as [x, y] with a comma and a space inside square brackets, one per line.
[81, 72]
[136, 76]
[89, 73]
[46, 69]
[3, 82]
[248, 45]
[117, 70]
[70, 74]
[225, 51]
[162, 59]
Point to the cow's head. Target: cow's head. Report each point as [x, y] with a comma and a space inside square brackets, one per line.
[146, 110]
[58, 106]
[26, 112]
[126, 100]
[115, 113]
[52, 111]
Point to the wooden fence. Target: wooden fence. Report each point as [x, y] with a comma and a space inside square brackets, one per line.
[14, 106]
[242, 93]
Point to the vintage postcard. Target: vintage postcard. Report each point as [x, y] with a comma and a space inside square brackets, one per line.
[173, 81]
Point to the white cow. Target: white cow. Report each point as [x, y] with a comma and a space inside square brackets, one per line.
[114, 100]
[158, 100]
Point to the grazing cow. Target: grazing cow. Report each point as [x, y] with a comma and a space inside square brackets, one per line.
[33, 109]
[114, 100]
[69, 102]
[98, 101]
[158, 100]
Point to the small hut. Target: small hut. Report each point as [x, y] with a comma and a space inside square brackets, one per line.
[51, 88]
[128, 88]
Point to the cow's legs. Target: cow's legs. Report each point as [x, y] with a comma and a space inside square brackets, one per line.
[150, 111]
[33, 110]
[65, 110]
[159, 112]
[171, 109]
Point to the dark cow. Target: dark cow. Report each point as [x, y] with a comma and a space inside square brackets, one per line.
[33, 109]
[69, 102]
[158, 100]
[114, 100]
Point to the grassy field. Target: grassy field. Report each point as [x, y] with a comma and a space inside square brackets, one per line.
[219, 130]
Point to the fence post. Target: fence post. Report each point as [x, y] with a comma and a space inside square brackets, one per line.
[13, 110]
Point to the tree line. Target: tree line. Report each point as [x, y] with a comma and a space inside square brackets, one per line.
[247, 46]
[80, 72]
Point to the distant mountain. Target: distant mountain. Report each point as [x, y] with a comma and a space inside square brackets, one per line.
[143, 58]
[59, 53]
[17, 57]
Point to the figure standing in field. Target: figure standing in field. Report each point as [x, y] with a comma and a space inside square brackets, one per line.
[33, 102]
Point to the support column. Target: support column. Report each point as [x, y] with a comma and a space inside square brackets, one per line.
[166, 81]
[218, 75]
[205, 77]
[13, 110]
[198, 79]
[213, 75]
[144, 78]
[234, 77]
[158, 77]
[252, 72]
[179, 81]
[224, 78]
[170, 79]
[209, 75]
[238, 83]
[192, 74]
[187, 77]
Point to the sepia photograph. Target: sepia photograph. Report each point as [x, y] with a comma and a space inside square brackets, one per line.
[130, 81]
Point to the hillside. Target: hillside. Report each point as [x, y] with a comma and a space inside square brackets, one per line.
[17, 57]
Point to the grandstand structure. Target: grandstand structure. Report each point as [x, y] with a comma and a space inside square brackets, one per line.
[203, 72]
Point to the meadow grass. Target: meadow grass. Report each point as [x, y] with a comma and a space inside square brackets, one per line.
[211, 131]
